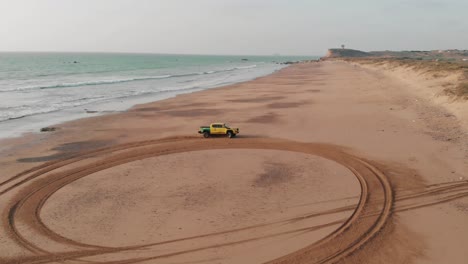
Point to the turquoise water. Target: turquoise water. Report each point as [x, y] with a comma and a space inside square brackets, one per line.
[23, 71]
[37, 84]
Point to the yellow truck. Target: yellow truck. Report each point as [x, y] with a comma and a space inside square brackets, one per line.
[218, 129]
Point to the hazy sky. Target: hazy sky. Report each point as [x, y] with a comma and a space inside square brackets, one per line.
[306, 27]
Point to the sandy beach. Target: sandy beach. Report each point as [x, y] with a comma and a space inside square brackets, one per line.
[334, 163]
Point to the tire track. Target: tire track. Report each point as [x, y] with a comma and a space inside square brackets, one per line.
[35, 186]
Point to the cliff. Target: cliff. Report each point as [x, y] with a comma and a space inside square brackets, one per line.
[348, 53]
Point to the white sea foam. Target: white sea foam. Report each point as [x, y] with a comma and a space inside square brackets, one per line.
[119, 80]
[55, 93]
[85, 83]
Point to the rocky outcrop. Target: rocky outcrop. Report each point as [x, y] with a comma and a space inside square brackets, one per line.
[48, 129]
[348, 53]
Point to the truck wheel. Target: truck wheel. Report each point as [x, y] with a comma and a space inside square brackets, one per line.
[230, 134]
[206, 135]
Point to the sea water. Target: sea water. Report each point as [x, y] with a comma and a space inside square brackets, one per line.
[40, 89]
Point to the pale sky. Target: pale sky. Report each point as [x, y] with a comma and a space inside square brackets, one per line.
[263, 27]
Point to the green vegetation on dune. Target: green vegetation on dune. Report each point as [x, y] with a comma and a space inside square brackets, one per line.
[438, 55]
[430, 65]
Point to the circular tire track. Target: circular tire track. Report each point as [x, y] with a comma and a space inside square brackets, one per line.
[33, 188]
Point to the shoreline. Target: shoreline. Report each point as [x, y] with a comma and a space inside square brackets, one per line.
[156, 170]
[34, 123]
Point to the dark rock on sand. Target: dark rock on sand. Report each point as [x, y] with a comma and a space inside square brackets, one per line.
[48, 129]
[290, 62]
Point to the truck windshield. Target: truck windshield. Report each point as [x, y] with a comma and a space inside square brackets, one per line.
[226, 126]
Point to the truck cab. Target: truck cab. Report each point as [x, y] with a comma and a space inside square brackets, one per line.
[218, 129]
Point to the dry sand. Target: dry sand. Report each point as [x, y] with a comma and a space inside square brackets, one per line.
[334, 164]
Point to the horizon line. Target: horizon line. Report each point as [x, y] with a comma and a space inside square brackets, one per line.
[158, 53]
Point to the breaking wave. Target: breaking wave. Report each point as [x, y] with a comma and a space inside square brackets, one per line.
[123, 80]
